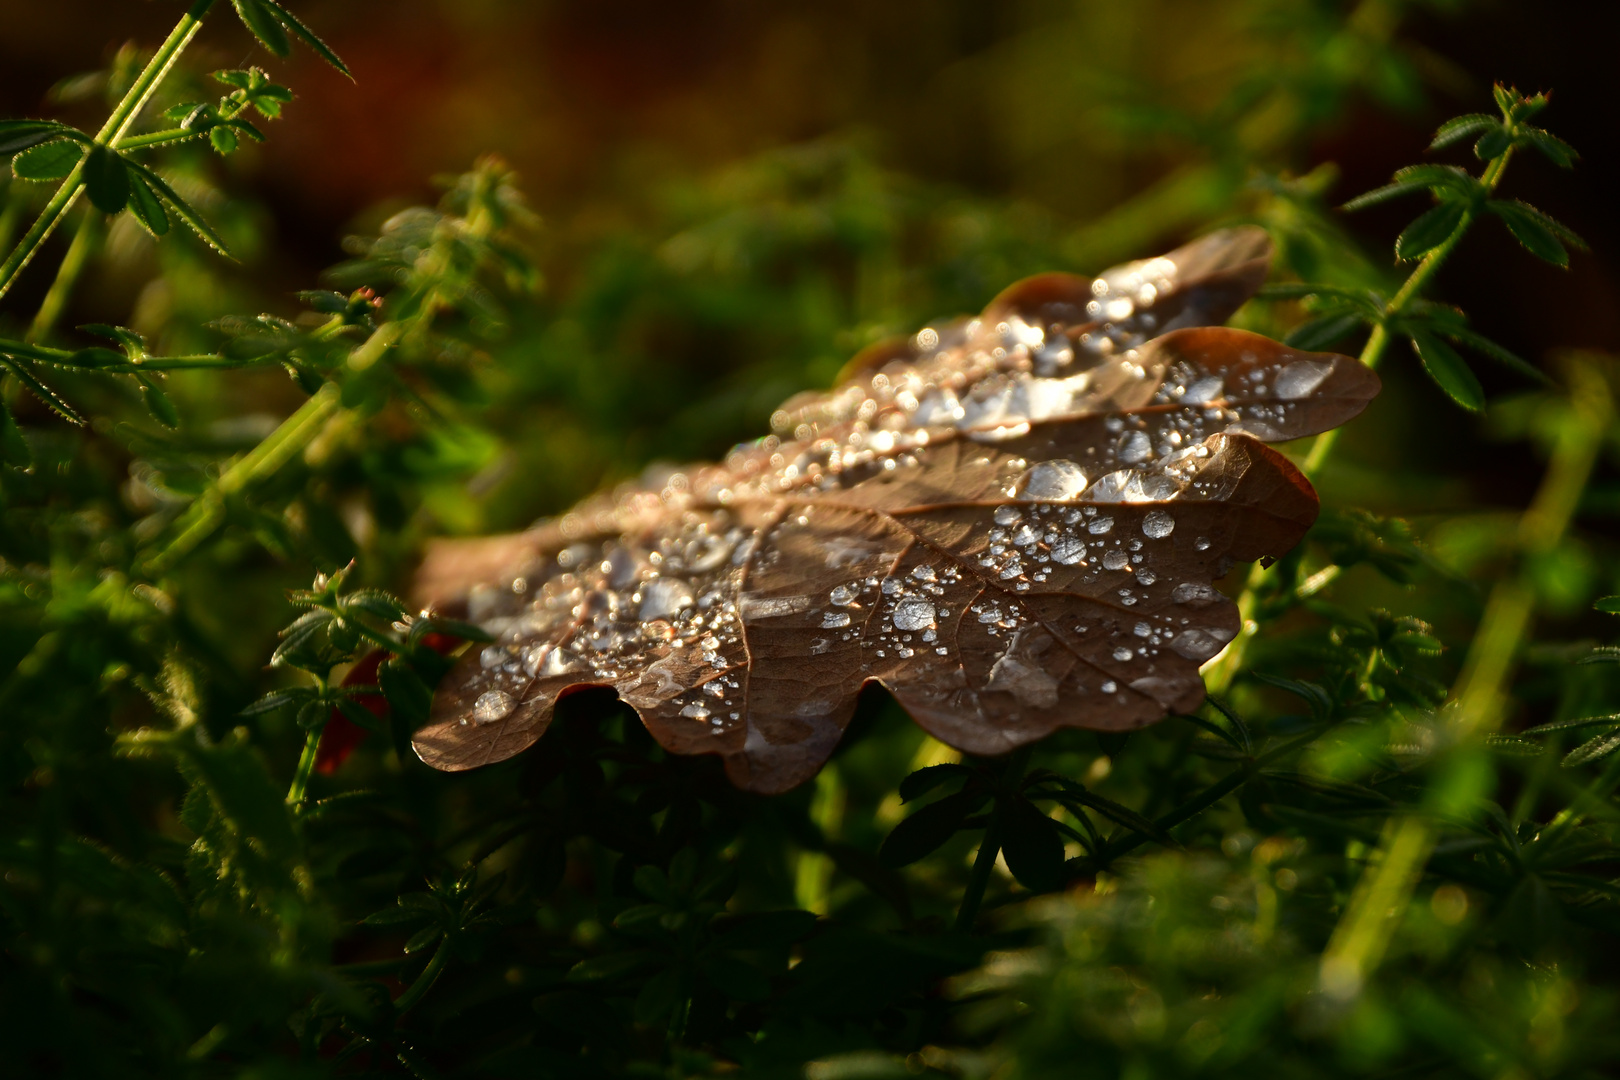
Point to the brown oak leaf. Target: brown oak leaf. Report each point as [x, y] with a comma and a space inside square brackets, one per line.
[1012, 523]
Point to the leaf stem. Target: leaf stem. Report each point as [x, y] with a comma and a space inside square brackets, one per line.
[424, 982]
[306, 765]
[279, 447]
[67, 276]
[973, 897]
[990, 845]
[123, 115]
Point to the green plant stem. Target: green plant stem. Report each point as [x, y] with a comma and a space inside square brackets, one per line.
[1219, 675]
[1479, 702]
[123, 115]
[9, 215]
[69, 358]
[1113, 849]
[67, 276]
[263, 461]
[306, 765]
[177, 134]
[990, 845]
[424, 982]
[983, 864]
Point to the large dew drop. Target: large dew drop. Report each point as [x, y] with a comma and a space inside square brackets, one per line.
[1135, 448]
[913, 615]
[1053, 481]
[1298, 379]
[1203, 391]
[1068, 550]
[664, 598]
[1194, 593]
[491, 706]
[1158, 524]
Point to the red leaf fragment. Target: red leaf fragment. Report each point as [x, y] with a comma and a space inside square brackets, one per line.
[342, 736]
[1013, 523]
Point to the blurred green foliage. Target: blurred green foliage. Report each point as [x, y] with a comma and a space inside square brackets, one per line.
[1386, 849]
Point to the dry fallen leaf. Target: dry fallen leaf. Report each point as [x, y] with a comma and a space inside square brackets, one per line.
[1012, 523]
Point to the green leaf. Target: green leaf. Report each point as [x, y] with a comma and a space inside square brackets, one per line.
[307, 36]
[923, 781]
[1513, 745]
[1382, 195]
[1032, 845]
[434, 624]
[1609, 605]
[14, 449]
[262, 23]
[375, 602]
[50, 398]
[1441, 179]
[131, 341]
[1432, 228]
[277, 700]
[394, 915]
[658, 997]
[1485, 346]
[146, 206]
[423, 938]
[654, 884]
[1597, 747]
[223, 139]
[159, 405]
[357, 714]
[48, 161]
[1567, 725]
[1493, 144]
[1318, 334]
[18, 135]
[1117, 813]
[925, 831]
[1459, 128]
[1553, 148]
[1540, 234]
[1449, 371]
[106, 177]
[1507, 99]
[182, 208]
[1314, 694]
[410, 697]
[612, 966]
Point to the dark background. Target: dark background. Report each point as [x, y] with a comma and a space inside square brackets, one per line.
[597, 104]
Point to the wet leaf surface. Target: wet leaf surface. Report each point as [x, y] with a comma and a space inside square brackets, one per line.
[1013, 523]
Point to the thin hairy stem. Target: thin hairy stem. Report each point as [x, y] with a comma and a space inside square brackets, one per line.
[990, 845]
[1219, 674]
[207, 513]
[123, 115]
[78, 255]
[306, 765]
[424, 982]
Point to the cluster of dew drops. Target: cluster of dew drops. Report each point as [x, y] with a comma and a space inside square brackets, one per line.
[989, 383]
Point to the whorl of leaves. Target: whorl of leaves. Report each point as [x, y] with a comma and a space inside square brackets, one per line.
[1012, 523]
